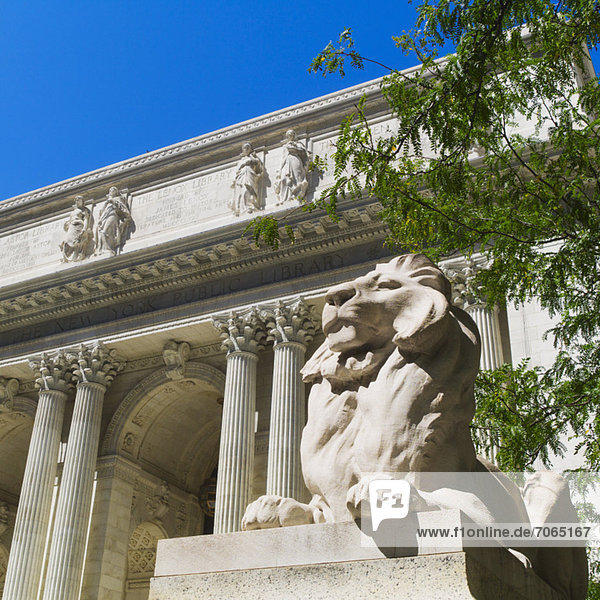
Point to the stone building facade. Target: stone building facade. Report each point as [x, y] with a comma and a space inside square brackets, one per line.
[150, 352]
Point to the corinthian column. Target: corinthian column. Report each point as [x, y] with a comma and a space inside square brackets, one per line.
[53, 375]
[244, 335]
[94, 370]
[486, 320]
[291, 326]
[468, 297]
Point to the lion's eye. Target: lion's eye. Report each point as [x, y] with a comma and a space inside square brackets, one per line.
[388, 285]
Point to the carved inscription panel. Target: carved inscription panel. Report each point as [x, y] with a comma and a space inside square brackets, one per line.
[37, 246]
[196, 200]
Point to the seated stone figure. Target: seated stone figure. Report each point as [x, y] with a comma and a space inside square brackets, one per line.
[393, 393]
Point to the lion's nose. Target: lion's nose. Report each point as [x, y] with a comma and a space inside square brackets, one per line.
[340, 294]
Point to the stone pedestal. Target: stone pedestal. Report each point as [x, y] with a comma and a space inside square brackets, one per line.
[337, 562]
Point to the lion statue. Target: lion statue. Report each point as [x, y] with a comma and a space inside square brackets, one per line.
[392, 394]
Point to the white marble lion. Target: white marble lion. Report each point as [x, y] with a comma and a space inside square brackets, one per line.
[393, 393]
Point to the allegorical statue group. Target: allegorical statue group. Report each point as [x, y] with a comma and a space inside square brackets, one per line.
[84, 238]
[291, 182]
[106, 234]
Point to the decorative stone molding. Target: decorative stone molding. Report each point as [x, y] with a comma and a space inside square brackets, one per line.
[8, 390]
[180, 519]
[290, 321]
[207, 496]
[175, 356]
[141, 555]
[117, 467]
[187, 269]
[157, 506]
[241, 331]
[52, 371]
[95, 364]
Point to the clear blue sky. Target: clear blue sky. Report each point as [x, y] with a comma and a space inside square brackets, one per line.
[89, 83]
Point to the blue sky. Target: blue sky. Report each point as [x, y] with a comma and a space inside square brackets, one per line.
[89, 83]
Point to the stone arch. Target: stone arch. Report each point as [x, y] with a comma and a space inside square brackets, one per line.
[141, 556]
[193, 370]
[171, 426]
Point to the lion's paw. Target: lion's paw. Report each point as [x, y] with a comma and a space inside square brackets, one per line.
[274, 511]
[357, 498]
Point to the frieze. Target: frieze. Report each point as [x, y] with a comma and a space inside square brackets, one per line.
[201, 264]
[157, 361]
[247, 279]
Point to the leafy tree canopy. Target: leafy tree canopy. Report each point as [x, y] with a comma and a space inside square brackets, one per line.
[460, 175]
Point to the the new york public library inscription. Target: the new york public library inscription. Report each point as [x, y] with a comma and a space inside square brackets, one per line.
[211, 289]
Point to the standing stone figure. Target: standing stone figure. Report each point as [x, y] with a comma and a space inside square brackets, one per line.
[291, 182]
[115, 224]
[78, 243]
[246, 183]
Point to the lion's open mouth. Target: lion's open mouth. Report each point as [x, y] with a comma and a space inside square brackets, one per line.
[337, 323]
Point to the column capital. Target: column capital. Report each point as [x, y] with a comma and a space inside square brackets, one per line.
[241, 331]
[8, 390]
[95, 364]
[290, 321]
[462, 273]
[52, 371]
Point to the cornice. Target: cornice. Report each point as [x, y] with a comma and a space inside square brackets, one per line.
[182, 269]
[158, 158]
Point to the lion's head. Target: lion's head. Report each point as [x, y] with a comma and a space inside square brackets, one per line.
[401, 301]
[403, 304]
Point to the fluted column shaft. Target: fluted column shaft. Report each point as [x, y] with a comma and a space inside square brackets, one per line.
[26, 557]
[243, 336]
[486, 320]
[284, 473]
[94, 369]
[67, 550]
[236, 454]
[291, 326]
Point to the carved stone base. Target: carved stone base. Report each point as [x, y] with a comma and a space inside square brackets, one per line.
[335, 562]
